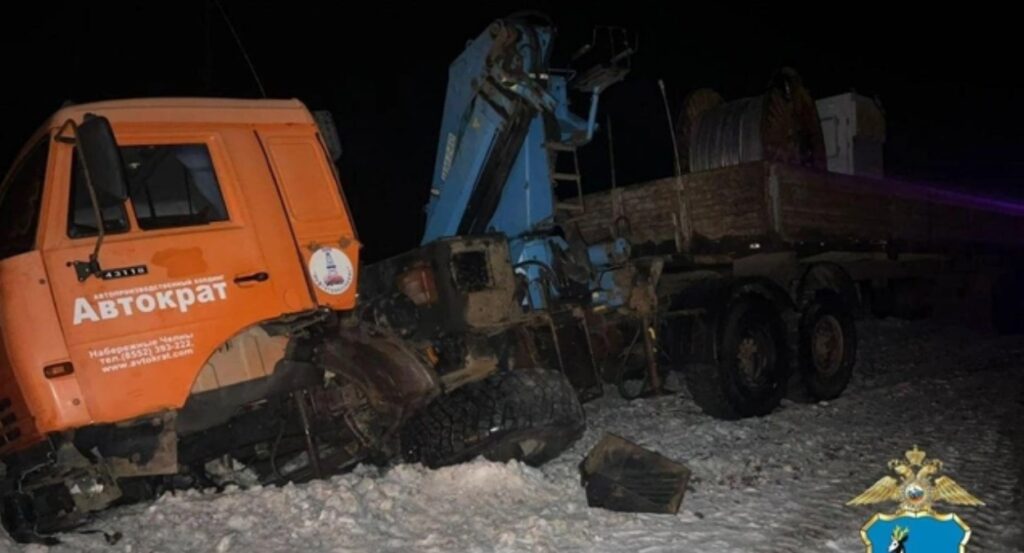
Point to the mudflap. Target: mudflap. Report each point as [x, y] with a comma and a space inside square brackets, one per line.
[619, 475]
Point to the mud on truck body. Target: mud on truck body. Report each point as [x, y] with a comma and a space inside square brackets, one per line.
[201, 333]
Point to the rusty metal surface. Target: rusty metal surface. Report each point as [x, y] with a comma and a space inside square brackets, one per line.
[476, 359]
[386, 369]
[493, 305]
[471, 286]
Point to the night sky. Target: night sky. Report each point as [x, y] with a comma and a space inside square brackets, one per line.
[948, 85]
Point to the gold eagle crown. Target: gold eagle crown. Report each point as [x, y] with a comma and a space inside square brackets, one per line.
[917, 488]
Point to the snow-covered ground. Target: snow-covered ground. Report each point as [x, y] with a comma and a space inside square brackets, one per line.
[773, 484]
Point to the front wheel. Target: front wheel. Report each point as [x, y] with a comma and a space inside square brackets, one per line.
[531, 415]
[749, 376]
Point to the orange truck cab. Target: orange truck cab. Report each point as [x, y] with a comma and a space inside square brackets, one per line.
[188, 326]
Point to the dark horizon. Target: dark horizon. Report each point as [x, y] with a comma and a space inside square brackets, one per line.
[950, 98]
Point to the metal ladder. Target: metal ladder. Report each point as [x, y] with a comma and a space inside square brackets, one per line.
[559, 178]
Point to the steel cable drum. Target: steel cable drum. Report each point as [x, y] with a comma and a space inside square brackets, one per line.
[780, 125]
[696, 104]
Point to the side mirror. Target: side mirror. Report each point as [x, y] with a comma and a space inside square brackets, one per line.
[104, 177]
[101, 159]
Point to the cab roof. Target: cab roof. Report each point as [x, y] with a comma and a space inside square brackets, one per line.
[189, 110]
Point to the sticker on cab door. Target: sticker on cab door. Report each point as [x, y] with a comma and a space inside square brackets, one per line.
[331, 270]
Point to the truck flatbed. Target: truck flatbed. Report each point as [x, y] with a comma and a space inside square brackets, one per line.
[766, 206]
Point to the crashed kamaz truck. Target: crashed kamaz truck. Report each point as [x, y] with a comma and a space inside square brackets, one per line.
[176, 283]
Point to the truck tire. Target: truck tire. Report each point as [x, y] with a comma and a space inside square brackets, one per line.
[750, 374]
[531, 415]
[828, 346]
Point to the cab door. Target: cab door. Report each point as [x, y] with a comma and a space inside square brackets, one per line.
[183, 271]
[32, 399]
[318, 216]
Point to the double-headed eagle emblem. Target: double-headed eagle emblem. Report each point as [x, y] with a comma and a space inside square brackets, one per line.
[917, 488]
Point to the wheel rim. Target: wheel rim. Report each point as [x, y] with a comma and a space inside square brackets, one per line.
[827, 345]
[755, 356]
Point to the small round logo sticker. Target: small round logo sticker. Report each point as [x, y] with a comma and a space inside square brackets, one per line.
[331, 270]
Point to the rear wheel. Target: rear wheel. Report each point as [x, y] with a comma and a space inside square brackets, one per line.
[531, 415]
[828, 346]
[749, 376]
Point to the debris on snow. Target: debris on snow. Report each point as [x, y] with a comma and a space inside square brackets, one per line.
[619, 475]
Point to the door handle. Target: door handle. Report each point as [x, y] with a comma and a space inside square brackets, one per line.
[254, 277]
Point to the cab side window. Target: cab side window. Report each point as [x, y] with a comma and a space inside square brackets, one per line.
[173, 185]
[170, 185]
[20, 202]
[82, 215]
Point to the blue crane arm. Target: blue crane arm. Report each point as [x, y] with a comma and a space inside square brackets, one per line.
[506, 117]
[495, 101]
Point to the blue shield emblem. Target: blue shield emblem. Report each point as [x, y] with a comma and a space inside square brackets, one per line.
[920, 532]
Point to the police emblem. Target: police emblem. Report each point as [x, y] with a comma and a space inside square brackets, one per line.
[915, 527]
